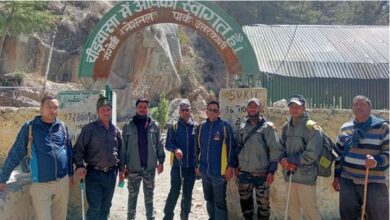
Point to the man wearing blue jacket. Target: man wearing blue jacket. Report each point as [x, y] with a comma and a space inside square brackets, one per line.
[181, 143]
[50, 162]
[217, 151]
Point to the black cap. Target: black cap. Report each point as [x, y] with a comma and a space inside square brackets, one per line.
[297, 99]
[102, 101]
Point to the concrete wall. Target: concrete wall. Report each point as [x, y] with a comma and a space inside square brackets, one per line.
[14, 203]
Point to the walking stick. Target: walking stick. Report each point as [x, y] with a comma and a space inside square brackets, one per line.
[82, 189]
[365, 194]
[288, 195]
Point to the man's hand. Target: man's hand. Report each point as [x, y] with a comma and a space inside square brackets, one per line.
[270, 178]
[178, 154]
[160, 168]
[122, 175]
[229, 173]
[291, 167]
[370, 162]
[197, 172]
[336, 184]
[81, 171]
[71, 182]
[284, 163]
[3, 186]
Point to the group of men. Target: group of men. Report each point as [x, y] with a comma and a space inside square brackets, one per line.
[209, 150]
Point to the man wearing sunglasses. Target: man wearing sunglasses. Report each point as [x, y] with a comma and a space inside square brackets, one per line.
[216, 151]
[181, 143]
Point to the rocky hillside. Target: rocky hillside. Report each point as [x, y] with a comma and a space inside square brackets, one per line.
[163, 58]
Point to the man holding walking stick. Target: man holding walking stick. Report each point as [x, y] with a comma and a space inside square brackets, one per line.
[364, 147]
[302, 147]
[99, 146]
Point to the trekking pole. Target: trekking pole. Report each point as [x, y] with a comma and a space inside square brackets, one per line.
[288, 194]
[82, 189]
[365, 194]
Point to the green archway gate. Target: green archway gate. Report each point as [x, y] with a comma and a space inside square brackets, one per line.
[206, 18]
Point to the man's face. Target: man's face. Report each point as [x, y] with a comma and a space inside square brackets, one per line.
[185, 113]
[253, 109]
[296, 111]
[142, 109]
[49, 109]
[104, 113]
[361, 109]
[212, 112]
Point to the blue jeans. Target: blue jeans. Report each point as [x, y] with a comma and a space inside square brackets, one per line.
[99, 188]
[188, 178]
[351, 200]
[214, 190]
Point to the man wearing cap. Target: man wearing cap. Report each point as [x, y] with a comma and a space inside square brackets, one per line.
[302, 147]
[181, 143]
[216, 151]
[143, 154]
[99, 146]
[258, 155]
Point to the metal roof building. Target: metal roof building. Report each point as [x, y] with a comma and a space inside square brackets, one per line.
[327, 64]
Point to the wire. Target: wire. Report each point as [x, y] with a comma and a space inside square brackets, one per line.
[291, 42]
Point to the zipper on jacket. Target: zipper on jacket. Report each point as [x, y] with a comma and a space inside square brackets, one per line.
[208, 149]
[52, 146]
[188, 148]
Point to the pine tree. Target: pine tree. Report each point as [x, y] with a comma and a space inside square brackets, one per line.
[19, 17]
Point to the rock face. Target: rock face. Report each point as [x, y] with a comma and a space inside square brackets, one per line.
[145, 66]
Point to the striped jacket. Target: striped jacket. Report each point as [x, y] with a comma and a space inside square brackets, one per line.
[375, 143]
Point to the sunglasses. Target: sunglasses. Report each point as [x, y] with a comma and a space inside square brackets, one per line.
[213, 110]
[185, 110]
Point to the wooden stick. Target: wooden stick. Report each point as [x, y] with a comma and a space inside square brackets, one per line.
[365, 194]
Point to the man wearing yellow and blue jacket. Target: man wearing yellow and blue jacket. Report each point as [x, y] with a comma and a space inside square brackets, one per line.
[50, 161]
[216, 151]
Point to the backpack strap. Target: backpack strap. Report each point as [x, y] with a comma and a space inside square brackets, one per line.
[30, 139]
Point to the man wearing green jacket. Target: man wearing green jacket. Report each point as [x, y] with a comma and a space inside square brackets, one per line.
[302, 147]
[142, 154]
[258, 155]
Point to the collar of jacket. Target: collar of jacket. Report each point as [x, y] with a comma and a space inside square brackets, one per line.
[303, 119]
[100, 124]
[190, 122]
[38, 120]
[213, 122]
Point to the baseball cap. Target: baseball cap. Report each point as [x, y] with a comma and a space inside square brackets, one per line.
[297, 99]
[255, 100]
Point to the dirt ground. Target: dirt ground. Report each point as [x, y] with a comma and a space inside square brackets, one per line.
[119, 202]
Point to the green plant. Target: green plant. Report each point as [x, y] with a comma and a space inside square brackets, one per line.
[24, 17]
[12, 79]
[160, 113]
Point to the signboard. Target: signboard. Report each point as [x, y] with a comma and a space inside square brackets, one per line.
[78, 108]
[233, 103]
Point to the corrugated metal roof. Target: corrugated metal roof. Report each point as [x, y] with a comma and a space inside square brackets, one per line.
[322, 51]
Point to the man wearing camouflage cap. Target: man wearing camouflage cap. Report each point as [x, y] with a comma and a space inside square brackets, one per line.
[99, 146]
[258, 154]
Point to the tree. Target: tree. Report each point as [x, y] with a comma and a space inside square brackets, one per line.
[160, 113]
[19, 17]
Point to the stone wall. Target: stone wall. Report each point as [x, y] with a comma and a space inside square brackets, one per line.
[14, 203]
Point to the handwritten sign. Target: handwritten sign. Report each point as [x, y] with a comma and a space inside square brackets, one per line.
[78, 108]
[233, 103]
